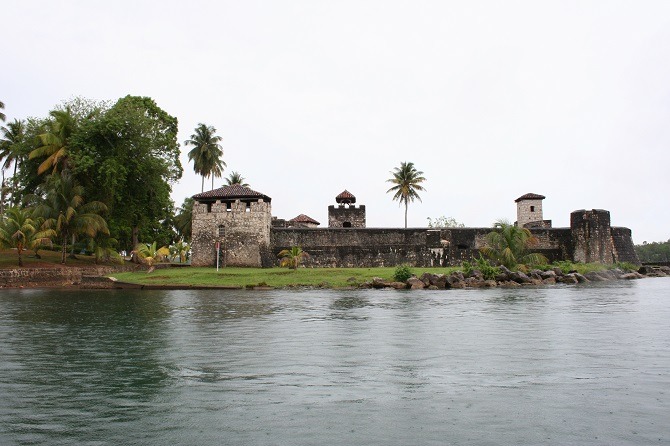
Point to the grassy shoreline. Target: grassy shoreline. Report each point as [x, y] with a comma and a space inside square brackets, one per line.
[261, 277]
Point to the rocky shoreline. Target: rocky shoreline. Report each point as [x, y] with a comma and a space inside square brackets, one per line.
[512, 279]
[97, 278]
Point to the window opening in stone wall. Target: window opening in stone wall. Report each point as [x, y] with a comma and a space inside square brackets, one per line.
[222, 231]
[346, 224]
[228, 207]
[532, 208]
[248, 208]
[209, 207]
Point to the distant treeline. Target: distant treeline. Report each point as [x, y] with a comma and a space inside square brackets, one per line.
[654, 252]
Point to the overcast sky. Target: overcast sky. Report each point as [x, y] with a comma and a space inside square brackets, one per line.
[490, 99]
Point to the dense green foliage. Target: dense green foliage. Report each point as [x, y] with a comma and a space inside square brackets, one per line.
[482, 265]
[653, 252]
[406, 182]
[21, 231]
[509, 245]
[402, 273]
[101, 173]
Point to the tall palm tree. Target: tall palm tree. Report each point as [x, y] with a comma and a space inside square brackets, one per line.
[183, 219]
[11, 150]
[55, 141]
[67, 212]
[508, 245]
[19, 230]
[407, 184]
[207, 154]
[236, 178]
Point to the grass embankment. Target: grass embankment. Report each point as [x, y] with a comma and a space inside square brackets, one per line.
[273, 277]
[49, 259]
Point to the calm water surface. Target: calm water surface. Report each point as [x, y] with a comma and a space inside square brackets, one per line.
[560, 365]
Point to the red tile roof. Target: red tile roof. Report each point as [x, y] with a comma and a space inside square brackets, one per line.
[345, 197]
[530, 196]
[233, 192]
[302, 218]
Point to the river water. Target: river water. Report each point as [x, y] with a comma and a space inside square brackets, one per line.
[557, 365]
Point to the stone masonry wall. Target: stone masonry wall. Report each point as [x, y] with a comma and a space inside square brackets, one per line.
[524, 215]
[335, 247]
[592, 236]
[339, 215]
[242, 230]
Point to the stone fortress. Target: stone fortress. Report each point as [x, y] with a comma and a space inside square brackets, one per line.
[234, 224]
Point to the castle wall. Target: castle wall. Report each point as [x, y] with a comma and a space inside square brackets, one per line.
[371, 247]
[623, 247]
[242, 230]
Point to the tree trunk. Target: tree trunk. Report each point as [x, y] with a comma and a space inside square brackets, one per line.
[202, 188]
[19, 251]
[405, 215]
[135, 236]
[14, 185]
[63, 250]
[212, 182]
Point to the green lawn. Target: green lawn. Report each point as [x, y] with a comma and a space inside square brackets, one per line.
[273, 277]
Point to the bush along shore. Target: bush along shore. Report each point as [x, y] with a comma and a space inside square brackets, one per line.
[503, 277]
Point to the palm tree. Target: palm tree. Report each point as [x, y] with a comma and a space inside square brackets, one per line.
[104, 249]
[293, 257]
[407, 182]
[19, 230]
[184, 218]
[2, 115]
[67, 212]
[179, 251]
[11, 150]
[150, 254]
[508, 245]
[236, 178]
[206, 153]
[55, 142]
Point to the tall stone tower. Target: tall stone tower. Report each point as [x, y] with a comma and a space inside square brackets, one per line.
[235, 220]
[346, 214]
[529, 212]
[592, 236]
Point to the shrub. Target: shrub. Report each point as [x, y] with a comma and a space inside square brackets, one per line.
[489, 271]
[402, 273]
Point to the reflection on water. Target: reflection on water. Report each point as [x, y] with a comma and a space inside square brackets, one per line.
[559, 365]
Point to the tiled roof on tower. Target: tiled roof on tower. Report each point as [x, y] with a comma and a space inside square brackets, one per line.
[530, 196]
[233, 192]
[345, 197]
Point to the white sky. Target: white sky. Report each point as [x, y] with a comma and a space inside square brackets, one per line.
[490, 99]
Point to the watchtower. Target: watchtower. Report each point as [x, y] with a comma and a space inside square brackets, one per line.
[346, 214]
[235, 220]
[529, 212]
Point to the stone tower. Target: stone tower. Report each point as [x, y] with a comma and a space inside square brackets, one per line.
[346, 214]
[529, 212]
[236, 220]
[592, 236]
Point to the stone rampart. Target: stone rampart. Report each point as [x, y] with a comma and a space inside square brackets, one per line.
[421, 247]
